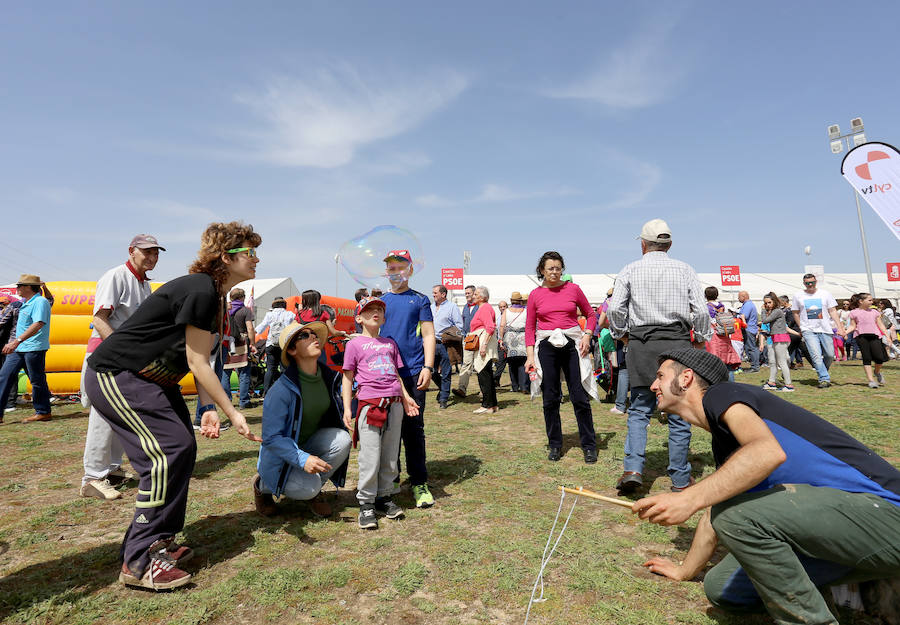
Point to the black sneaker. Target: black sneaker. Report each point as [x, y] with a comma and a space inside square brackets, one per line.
[554, 454]
[388, 508]
[590, 456]
[367, 518]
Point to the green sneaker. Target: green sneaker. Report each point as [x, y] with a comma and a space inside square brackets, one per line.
[423, 496]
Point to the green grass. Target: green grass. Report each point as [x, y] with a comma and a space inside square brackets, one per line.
[472, 558]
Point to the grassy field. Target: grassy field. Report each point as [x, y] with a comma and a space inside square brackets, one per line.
[472, 558]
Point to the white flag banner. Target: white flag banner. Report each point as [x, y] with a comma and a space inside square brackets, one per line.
[873, 169]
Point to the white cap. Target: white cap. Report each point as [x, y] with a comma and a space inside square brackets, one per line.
[656, 231]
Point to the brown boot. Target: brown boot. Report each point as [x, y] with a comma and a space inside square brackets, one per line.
[265, 505]
[319, 507]
[37, 417]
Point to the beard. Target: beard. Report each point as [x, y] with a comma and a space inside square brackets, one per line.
[675, 388]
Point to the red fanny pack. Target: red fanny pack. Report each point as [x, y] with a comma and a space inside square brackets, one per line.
[377, 414]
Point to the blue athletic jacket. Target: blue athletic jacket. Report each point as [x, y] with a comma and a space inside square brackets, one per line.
[282, 415]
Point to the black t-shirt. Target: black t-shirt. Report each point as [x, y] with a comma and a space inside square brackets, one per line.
[239, 326]
[818, 452]
[151, 341]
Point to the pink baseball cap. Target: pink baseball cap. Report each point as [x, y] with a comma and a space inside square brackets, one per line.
[367, 302]
[399, 254]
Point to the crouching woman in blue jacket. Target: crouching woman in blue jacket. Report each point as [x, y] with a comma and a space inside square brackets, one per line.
[304, 440]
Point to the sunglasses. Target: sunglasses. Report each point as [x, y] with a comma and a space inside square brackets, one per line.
[809, 283]
[251, 251]
[302, 336]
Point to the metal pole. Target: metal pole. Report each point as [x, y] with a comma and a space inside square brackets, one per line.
[336, 259]
[865, 246]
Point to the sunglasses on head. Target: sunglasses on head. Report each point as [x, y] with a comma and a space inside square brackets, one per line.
[251, 251]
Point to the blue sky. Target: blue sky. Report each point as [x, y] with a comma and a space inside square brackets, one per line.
[506, 129]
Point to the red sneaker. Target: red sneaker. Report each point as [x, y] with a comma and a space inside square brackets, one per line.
[162, 573]
[178, 553]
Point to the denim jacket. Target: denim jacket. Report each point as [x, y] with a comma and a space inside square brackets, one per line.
[279, 453]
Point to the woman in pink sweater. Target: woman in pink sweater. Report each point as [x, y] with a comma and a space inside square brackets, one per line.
[551, 329]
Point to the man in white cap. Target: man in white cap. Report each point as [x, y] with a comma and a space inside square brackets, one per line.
[657, 301]
[120, 291]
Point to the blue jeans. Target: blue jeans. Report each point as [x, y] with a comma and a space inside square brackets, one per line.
[643, 403]
[243, 385]
[752, 349]
[442, 372]
[34, 368]
[331, 445]
[224, 377]
[622, 389]
[821, 352]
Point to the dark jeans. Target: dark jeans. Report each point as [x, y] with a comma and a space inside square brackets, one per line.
[413, 435]
[486, 384]
[224, 376]
[14, 389]
[851, 347]
[517, 377]
[751, 348]
[501, 365]
[442, 372]
[554, 362]
[34, 368]
[273, 366]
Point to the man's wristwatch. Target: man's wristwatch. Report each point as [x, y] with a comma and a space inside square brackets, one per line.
[207, 408]
[430, 369]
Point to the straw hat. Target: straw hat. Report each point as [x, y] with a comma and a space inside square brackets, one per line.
[287, 335]
[27, 279]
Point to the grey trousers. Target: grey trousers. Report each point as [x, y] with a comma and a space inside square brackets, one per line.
[379, 452]
[778, 359]
[102, 449]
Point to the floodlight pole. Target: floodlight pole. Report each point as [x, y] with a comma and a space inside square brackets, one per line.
[840, 139]
[865, 246]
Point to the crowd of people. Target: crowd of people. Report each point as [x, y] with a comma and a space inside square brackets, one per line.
[783, 475]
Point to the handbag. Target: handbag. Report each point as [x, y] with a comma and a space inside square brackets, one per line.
[471, 342]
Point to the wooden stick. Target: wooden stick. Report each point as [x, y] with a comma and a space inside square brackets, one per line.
[592, 495]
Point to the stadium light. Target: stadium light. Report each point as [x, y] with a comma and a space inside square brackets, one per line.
[854, 139]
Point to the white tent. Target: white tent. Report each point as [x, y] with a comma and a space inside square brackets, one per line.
[265, 290]
[595, 285]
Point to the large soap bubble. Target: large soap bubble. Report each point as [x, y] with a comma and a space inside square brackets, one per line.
[363, 256]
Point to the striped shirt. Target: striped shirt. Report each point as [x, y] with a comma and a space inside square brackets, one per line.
[656, 291]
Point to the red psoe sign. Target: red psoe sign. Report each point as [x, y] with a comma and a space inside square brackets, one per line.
[731, 275]
[893, 272]
[452, 277]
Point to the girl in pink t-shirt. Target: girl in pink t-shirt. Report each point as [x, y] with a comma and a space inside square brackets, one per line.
[866, 321]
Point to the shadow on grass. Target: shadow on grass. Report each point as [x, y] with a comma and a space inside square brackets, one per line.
[64, 580]
[573, 441]
[68, 579]
[211, 464]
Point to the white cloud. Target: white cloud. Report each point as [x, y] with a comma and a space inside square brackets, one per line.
[499, 193]
[55, 195]
[323, 119]
[646, 176]
[642, 72]
[433, 200]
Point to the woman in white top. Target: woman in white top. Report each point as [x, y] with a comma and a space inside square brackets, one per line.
[512, 333]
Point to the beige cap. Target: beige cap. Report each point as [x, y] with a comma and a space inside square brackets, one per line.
[656, 231]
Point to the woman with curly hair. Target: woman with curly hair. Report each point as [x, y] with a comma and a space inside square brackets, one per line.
[132, 380]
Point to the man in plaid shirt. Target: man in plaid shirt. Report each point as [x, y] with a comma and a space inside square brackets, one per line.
[656, 303]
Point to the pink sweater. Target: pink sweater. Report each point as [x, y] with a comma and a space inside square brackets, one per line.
[558, 307]
[484, 318]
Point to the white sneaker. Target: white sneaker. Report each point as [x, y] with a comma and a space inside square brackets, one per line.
[121, 475]
[8, 409]
[615, 410]
[480, 411]
[101, 489]
[880, 378]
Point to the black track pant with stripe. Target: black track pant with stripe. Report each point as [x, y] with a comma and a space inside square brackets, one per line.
[154, 426]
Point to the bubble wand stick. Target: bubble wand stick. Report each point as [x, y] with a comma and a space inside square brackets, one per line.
[592, 495]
